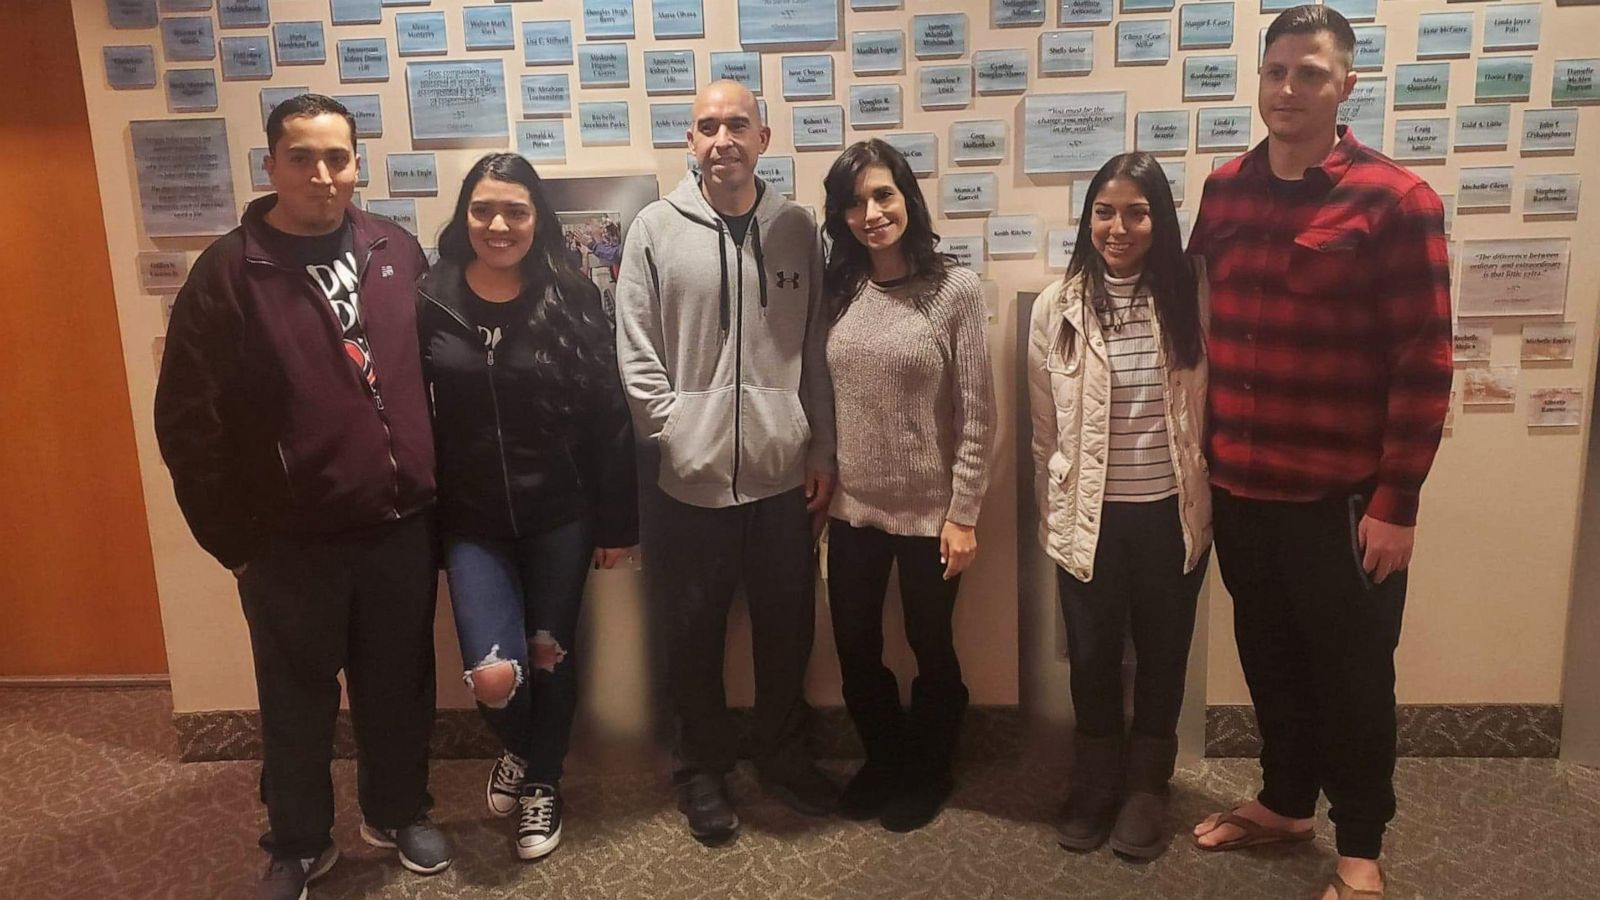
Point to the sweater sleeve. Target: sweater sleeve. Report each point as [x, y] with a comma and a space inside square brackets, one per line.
[1413, 258]
[816, 382]
[641, 343]
[974, 402]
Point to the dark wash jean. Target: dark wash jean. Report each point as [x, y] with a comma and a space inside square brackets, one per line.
[1316, 643]
[695, 559]
[518, 601]
[1139, 588]
[361, 602]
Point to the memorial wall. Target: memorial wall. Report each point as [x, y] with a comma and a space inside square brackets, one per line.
[1004, 108]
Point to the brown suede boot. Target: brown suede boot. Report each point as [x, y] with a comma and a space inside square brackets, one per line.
[1142, 831]
[1091, 804]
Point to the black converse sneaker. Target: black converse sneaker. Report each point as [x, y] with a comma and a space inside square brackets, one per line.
[505, 783]
[539, 823]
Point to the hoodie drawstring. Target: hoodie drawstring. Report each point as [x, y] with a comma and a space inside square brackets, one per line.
[761, 260]
[722, 253]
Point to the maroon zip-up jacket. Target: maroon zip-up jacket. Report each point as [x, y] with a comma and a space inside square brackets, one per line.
[262, 419]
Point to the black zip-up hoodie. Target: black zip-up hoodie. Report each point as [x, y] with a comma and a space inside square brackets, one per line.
[263, 421]
[502, 473]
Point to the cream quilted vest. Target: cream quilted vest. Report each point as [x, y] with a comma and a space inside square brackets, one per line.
[1070, 398]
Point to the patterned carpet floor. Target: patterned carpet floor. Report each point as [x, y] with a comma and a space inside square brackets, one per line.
[94, 804]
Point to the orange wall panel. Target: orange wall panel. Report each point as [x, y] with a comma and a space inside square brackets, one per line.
[77, 581]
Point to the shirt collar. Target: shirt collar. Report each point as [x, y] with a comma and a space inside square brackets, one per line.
[1331, 169]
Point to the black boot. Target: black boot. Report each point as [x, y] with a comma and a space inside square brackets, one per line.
[1086, 818]
[932, 727]
[880, 723]
[1142, 831]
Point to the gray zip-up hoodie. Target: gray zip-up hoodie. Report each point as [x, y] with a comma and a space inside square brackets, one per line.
[722, 347]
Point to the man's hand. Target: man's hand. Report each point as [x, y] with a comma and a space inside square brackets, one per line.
[608, 557]
[819, 491]
[958, 546]
[1385, 547]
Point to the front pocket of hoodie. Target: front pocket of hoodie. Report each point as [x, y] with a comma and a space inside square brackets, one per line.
[775, 432]
[697, 443]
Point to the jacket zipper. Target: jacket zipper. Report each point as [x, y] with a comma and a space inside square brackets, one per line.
[500, 442]
[377, 399]
[494, 401]
[738, 368]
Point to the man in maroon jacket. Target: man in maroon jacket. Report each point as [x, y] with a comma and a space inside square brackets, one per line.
[291, 414]
[1330, 375]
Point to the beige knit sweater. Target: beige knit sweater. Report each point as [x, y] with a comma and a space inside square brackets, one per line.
[913, 406]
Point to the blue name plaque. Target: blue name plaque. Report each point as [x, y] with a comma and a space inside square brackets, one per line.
[547, 43]
[1072, 132]
[457, 99]
[363, 59]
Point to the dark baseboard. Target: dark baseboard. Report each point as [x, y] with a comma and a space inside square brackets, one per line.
[988, 732]
[1480, 730]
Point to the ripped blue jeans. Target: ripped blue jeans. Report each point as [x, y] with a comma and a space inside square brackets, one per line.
[517, 602]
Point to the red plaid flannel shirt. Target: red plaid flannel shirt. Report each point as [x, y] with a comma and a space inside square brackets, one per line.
[1330, 329]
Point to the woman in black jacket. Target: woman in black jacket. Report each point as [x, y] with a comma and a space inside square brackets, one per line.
[536, 473]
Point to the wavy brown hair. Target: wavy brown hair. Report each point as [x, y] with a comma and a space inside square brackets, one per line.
[849, 265]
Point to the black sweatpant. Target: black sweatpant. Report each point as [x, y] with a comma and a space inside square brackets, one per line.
[858, 574]
[1317, 647]
[363, 603]
[695, 559]
[1139, 587]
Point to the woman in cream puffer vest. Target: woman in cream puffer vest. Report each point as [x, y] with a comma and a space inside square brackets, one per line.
[1117, 384]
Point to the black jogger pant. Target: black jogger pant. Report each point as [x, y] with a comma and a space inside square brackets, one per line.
[1317, 646]
[363, 603]
[695, 559]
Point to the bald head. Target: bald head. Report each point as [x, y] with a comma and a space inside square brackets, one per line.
[726, 93]
[727, 137]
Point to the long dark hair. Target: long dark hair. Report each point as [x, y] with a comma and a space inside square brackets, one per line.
[849, 264]
[571, 335]
[1167, 273]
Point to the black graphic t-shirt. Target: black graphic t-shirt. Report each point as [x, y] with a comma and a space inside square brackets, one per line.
[493, 319]
[329, 260]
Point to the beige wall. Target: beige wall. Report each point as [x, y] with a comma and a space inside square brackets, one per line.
[1490, 589]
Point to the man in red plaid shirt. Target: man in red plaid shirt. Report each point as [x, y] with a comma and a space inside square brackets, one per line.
[1330, 376]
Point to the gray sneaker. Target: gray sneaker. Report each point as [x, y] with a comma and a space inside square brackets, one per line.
[286, 879]
[423, 847]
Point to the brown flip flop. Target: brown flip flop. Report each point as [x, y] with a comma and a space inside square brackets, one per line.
[1254, 834]
[1345, 892]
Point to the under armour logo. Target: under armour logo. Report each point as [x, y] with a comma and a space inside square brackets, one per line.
[788, 279]
[385, 271]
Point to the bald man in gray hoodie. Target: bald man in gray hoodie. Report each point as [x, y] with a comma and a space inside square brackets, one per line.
[720, 338]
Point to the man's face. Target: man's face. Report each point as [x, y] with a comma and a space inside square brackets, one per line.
[726, 136]
[1304, 78]
[313, 168]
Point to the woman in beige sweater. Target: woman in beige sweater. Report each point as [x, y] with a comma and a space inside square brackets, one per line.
[1117, 378]
[914, 413]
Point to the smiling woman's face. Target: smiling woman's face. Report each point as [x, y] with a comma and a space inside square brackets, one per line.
[877, 217]
[1121, 228]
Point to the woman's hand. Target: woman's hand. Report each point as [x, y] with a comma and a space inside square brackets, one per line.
[608, 557]
[958, 546]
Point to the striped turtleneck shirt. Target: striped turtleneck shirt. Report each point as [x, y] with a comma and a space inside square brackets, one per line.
[1139, 462]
